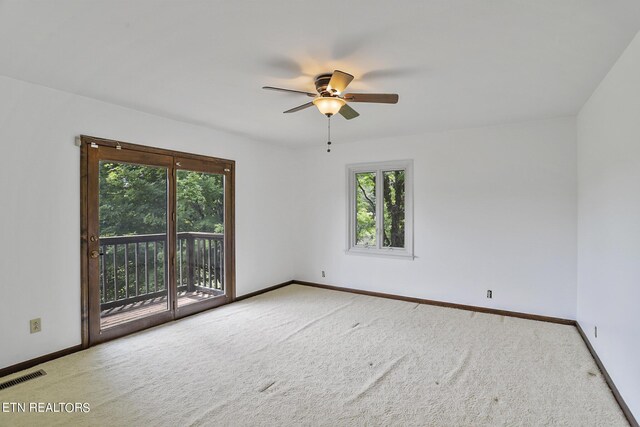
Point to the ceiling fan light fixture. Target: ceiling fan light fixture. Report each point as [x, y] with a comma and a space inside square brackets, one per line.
[329, 105]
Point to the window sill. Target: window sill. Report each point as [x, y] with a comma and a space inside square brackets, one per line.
[384, 253]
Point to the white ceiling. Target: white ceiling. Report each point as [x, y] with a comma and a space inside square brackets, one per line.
[455, 63]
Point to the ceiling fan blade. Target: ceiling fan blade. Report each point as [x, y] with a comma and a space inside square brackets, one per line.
[279, 89]
[380, 98]
[348, 112]
[300, 107]
[339, 81]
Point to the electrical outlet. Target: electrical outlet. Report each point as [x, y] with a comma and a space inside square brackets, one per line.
[489, 293]
[35, 325]
[322, 273]
[595, 331]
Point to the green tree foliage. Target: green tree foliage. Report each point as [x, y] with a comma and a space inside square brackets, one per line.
[200, 202]
[366, 209]
[393, 194]
[133, 200]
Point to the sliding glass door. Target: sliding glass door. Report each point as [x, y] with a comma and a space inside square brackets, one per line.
[133, 229]
[159, 236]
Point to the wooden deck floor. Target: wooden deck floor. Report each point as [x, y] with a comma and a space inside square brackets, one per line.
[118, 315]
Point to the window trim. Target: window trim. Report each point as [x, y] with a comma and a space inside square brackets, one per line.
[379, 168]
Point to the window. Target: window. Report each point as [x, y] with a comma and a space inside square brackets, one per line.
[380, 214]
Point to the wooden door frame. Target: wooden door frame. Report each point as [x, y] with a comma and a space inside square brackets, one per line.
[227, 166]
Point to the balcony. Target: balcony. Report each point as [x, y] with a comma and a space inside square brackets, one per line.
[133, 273]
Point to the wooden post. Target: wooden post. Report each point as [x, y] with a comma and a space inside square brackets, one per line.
[191, 258]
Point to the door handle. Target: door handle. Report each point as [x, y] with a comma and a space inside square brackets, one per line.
[94, 254]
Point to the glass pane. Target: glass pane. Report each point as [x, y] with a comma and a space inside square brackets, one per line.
[365, 209]
[393, 209]
[200, 239]
[133, 235]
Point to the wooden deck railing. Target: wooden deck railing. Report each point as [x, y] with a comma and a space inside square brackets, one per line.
[133, 268]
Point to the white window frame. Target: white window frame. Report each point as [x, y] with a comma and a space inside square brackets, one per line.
[379, 168]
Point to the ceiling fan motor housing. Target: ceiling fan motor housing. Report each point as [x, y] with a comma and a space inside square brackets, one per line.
[322, 81]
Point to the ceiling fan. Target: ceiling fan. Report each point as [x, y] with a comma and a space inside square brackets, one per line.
[330, 99]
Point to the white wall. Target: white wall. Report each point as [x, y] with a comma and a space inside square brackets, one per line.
[608, 129]
[40, 214]
[495, 208]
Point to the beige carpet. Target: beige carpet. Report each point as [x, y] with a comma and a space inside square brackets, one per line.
[305, 356]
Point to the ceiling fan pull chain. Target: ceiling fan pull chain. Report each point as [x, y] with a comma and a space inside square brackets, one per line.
[329, 134]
